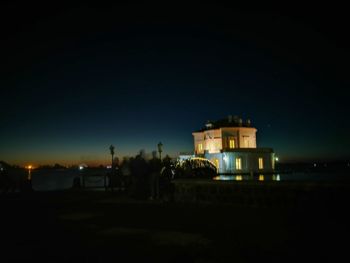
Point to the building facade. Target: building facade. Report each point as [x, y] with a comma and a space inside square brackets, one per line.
[231, 146]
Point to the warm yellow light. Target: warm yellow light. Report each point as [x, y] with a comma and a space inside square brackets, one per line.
[29, 167]
[232, 143]
[261, 177]
[200, 147]
[238, 163]
[216, 163]
[261, 163]
[202, 159]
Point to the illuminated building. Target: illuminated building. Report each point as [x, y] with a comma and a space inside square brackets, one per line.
[230, 144]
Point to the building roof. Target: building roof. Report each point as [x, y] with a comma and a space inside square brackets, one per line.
[230, 121]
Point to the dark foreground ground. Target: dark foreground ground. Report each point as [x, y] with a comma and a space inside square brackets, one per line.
[85, 226]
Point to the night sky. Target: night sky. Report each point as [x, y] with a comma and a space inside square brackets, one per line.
[77, 78]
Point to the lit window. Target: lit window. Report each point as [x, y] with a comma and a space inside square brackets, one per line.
[238, 163]
[200, 147]
[232, 143]
[261, 163]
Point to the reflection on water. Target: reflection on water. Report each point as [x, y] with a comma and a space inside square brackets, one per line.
[240, 177]
[276, 177]
[63, 179]
[59, 180]
[29, 175]
[341, 177]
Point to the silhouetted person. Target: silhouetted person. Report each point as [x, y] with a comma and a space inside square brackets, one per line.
[154, 185]
[153, 179]
[166, 177]
[139, 172]
[125, 174]
[76, 182]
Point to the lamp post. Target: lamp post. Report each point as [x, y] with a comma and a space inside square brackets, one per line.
[111, 149]
[160, 145]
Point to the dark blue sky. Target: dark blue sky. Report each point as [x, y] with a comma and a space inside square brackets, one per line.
[75, 79]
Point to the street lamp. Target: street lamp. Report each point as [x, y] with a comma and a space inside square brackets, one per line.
[160, 145]
[111, 149]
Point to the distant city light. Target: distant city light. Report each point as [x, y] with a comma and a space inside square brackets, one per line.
[315, 165]
[261, 177]
[276, 159]
[82, 166]
[109, 166]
